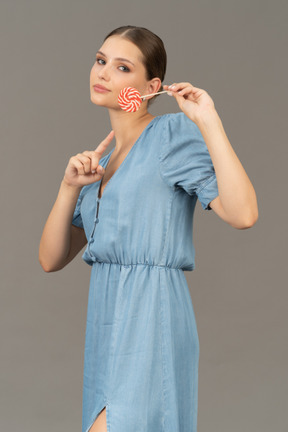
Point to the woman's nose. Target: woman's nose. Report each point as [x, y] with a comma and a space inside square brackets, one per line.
[104, 72]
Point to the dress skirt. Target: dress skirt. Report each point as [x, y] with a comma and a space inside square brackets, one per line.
[142, 349]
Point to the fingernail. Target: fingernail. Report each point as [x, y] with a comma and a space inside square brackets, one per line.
[169, 93]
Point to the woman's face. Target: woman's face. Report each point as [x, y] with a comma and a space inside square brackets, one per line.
[118, 64]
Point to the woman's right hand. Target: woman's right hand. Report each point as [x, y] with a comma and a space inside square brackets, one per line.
[84, 168]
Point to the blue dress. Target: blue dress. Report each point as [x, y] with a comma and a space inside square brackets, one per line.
[141, 342]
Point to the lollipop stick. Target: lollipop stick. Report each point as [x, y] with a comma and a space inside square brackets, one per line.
[152, 94]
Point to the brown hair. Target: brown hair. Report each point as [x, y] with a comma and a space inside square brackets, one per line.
[152, 48]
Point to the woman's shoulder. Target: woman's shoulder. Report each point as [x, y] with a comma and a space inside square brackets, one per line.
[176, 122]
[170, 116]
[177, 127]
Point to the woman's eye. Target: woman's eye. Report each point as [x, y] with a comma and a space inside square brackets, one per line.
[127, 70]
[99, 60]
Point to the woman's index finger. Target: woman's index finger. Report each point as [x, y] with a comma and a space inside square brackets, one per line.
[104, 144]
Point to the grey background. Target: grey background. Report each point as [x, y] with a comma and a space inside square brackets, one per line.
[234, 50]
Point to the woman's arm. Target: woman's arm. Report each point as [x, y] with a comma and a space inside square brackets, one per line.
[237, 202]
[61, 241]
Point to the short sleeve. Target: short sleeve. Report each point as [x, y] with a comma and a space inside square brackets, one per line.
[77, 219]
[185, 160]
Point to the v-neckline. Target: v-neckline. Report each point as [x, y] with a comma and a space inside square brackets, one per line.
[110, 154]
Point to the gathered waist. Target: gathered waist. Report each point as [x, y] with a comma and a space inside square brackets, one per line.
[97, 262]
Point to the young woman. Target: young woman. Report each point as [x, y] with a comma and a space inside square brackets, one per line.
[133, 209]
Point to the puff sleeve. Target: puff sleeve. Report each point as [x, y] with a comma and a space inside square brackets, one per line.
[185, 160]
[77, 219]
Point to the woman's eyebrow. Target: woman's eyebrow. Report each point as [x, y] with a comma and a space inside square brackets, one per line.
[117, 58]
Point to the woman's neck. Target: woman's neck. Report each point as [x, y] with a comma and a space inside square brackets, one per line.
[127, 127]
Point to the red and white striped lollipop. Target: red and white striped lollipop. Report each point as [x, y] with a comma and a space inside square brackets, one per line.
[130, 100]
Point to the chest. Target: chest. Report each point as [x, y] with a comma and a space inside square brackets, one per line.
[111, 168]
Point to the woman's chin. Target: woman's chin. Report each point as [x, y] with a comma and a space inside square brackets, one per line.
[104, 105]
[97, 100]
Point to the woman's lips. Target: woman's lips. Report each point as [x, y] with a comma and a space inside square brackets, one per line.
[100, 89]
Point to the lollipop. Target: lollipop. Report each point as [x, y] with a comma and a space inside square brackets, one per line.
[130, 100]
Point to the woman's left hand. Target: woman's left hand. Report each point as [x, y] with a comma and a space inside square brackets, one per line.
[193, 101]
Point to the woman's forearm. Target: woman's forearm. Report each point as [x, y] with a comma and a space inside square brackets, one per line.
[55, 241]
[236, 192]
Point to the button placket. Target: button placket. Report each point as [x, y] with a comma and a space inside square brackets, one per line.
[96, 220]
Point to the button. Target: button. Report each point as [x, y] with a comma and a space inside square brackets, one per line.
[96, 220]
[93, 258]
[91, 240]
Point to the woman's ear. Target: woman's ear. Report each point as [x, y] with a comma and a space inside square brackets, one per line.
[153, 86]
